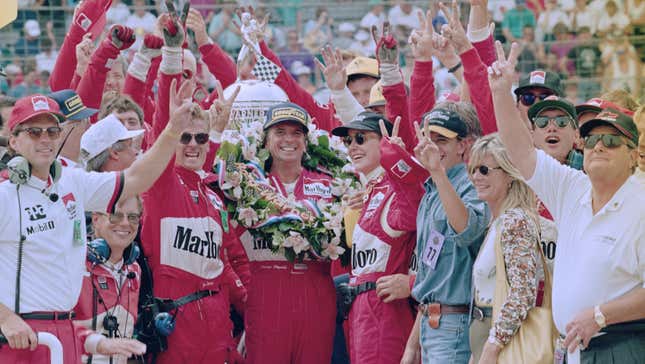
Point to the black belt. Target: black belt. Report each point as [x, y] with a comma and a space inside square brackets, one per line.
[48, 316]
[480, 313]
[364, 287]
[169, 304]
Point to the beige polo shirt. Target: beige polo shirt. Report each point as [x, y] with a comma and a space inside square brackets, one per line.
[600, 257]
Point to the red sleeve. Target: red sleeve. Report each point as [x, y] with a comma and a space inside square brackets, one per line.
[486, 50]
[162, 111]
[324, 114]
[75, 80]
[90, 89]
[397, 105]
[133, 87]
[476, 77]
[210, 156]
[63, 72]
[412, 278]
[422, 98]
[219, 64]
[149, 104]
[236, 255]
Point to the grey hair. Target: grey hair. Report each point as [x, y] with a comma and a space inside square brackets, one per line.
[96, 163]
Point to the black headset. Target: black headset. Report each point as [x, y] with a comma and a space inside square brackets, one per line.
[20, 172]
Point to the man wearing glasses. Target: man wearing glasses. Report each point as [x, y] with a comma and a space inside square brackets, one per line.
[536, 86]
[108, 145]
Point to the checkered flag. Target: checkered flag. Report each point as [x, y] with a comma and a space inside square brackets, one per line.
[264, 69]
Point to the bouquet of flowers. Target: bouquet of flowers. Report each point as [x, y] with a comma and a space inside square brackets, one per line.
[298, 229]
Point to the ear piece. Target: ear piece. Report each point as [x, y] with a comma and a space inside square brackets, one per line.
[98, 251]
[20, 170]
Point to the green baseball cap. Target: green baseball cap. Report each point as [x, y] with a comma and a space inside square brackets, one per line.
[538, 78]
[553, 102]
[286, 111]
[612, 117]
[367, 121]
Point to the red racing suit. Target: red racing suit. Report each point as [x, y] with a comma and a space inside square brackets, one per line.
[291, 307]
[383, 242]
[118, 299]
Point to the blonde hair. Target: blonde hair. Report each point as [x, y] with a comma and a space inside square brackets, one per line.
[519, 194]
[621, 98]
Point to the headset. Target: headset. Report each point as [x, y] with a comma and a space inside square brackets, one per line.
[98, 251]
[20, 172]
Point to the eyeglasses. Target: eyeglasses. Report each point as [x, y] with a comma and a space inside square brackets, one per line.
[117, 217]
[529, 99]
[608, 140]
[53, 132]
[561, 121]
[200, 138]
[359, 138]
[484, 170]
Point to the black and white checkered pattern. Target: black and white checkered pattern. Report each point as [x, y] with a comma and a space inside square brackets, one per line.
[265, 70]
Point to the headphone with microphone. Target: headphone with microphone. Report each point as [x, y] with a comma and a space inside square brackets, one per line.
[98, 251]
[20, 172]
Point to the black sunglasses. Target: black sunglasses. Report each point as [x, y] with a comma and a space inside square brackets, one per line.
[117, 217]
[358, 137]
[200, 138]
[53, 132]
[529, 99]
[608, 140]
[561, 121]
[484, 170]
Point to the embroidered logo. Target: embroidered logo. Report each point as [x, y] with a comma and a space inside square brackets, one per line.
[537, 77]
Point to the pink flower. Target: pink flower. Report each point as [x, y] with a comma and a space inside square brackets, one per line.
[248, 216]
[296, 241]
[333, 250]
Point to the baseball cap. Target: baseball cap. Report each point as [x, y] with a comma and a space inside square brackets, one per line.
[597, 105]
[367, 121]
[612, 117]
[30, 106]
[538, 78]
[446, 122]
[376, 95]
[71, 105]
[552, 102]
[360, 66]
[103, 135]
[286, 111]
[32, 28]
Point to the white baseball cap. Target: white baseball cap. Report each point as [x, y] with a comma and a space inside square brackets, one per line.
[103, 135]
[32, 28]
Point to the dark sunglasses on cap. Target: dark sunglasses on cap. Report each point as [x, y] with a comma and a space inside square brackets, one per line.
[53, 132]
[117, 217]
[529, 99]
[561, 121]
[358, 137]
[484, 170]
[200, 138]
[608, 140]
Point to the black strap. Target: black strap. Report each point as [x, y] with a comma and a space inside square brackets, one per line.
[365, 287]
[21, 244]
[169, 305]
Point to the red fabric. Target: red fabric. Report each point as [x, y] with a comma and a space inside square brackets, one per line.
[422, 92]
[476, 76]
[30, 106]
[486, 50]
[544, 212]
[90, 89]
[397, 105]
[70, 336]
[324, 114]
[219, 64]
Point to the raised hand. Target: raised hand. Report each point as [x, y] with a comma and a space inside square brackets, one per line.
[394, 138]
[196, 23]
[422, 40]
[387, 50]
[84, 51]
[501, 73]
[151, 46]
[333, 69]
[453, 31]
[180, 105]
[173, 26]
[122, 37]
[220, 111]
[426, 150]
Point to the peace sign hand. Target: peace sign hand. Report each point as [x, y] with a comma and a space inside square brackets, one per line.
[173, 25]
[421, 40]
[333, 69]
[427, 151]
[387, 50]
[502, 72]
[220, 110]
[180, 105]
[453, 31]
[394, 138]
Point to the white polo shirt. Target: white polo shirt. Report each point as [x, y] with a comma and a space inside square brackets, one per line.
[600, 257]
[55, 248]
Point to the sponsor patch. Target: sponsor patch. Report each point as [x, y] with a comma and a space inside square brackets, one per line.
[320, 189]
[39, 103]
[369, 253]
[537, 77]
[400, 169]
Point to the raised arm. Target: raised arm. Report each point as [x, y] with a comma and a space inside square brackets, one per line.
[513, 132]
[139, 72]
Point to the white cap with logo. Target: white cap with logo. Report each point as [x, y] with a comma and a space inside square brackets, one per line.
[103, 135]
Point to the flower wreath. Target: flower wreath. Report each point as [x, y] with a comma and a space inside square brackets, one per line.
[298, 229]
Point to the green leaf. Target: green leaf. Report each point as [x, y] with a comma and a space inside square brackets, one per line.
[323, 141]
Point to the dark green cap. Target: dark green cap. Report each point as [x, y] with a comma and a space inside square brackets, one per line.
[367, 121]
[553, 102]
[612, 117]
[538, 78]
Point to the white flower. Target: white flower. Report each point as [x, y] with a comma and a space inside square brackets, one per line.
[348, 168]
[336, 143]
[248, 216]
[231, 136]
[296, 241]
[333, 250]
[340, 186]
[232, 179]
[249, 151]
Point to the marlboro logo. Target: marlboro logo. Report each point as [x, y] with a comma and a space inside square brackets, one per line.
[537, 77]
[39, 103]
[607, 115]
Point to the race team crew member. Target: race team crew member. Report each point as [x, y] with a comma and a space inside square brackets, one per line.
[291, 308]
[383, 239]
[110, 293]
[50, 231]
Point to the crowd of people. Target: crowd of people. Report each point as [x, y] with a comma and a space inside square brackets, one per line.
[491, 170]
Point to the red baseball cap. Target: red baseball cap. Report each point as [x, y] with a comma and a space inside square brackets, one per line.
[33, 105]
[597, 105]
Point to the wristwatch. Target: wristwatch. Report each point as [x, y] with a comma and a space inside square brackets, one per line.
[599, 317]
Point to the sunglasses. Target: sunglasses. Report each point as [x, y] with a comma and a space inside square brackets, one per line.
[200, 138]
[117, 217]
[608, 140]
[561, 121]
[359, 138]
[483, 169]
[53, 132]
[529, 99]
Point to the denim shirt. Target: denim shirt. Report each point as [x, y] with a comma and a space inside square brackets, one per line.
[450, 282]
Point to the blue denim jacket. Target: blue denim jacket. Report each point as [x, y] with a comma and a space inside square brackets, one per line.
[450, 281]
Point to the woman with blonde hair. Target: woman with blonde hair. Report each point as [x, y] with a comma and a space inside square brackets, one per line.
[514, 231]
